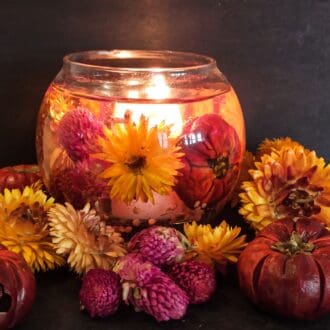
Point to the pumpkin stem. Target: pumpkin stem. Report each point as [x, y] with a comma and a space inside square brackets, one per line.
[5, 300]
[293, 246]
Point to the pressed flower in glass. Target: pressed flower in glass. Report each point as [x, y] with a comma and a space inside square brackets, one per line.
[147, 136]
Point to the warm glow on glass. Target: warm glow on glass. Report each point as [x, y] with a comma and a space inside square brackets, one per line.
[169, 114]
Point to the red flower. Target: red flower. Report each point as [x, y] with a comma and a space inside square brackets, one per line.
[212, 158]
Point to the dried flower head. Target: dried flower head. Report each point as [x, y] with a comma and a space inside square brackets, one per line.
[289, 182]
[78, 132]
[81, 183]
[268, 146]
[83, 238]
[215, 244]
[24, 227]
[140, 161]
[59, 103]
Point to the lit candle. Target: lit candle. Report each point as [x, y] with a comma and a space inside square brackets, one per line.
[164, 206]
[169, 114]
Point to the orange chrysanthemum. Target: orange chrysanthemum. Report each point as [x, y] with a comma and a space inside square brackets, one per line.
[291, 181]
[268, 146]
[220, 244]
[141, 161]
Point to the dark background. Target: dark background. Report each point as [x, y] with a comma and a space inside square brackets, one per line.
[275, 53]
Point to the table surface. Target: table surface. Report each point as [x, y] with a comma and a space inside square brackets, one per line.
[57, 306]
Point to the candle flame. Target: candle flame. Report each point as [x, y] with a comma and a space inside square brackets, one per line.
[169, 114]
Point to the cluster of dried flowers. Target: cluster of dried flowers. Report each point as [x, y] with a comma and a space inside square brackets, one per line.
[285, 180]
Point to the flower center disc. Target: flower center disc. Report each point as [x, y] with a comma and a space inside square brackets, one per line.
[299, 202]
[136, 163]
[220, 166]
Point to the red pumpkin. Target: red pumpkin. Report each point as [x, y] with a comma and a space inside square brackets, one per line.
[286, 269]
[211, 162]
[17, 288]
[18, 176]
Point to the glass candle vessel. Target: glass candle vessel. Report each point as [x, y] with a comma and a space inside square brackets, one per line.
[144, 136]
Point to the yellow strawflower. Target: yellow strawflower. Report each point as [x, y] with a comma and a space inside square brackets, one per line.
[215, 244]
[289, 182]
[24, 227]
[141, 161]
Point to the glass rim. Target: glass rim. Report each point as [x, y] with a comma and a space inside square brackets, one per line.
[186, 61]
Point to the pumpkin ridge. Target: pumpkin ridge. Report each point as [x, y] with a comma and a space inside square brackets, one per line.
[257, 272]
[322, 285]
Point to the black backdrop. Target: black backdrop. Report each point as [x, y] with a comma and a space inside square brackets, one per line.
[275, 53]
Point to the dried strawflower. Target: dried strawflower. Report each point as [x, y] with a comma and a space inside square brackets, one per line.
[83, 238]
[268, 146]
[59, 103]
[140, 161]
[289, 182]
[217, 244]
[24, 227]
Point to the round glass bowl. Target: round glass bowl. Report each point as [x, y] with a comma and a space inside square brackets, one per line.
[145, 136]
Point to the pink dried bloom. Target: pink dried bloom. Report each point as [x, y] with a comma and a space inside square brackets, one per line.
[159, 245]
[78, 132]
[196, 278]
[150, 290]
[100, 293]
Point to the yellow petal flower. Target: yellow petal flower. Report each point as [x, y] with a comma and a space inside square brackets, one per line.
[83, 238]
[140, 163]
[215, 244]
[290, 181]
[268, 146]
[24, 227]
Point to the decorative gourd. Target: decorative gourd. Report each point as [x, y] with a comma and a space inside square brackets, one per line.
[17, 288]
[18, 176]
[286, 269]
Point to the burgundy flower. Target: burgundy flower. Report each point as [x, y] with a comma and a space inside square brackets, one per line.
[100, 293]
[212, 159]
[78, 132]
[81, 183]
[150, 290]
[159, 245]
[196, 278]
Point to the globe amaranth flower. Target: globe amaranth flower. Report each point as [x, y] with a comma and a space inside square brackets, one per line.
[100, 293]
[150, 290]
[78, 131]
[159, 245]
